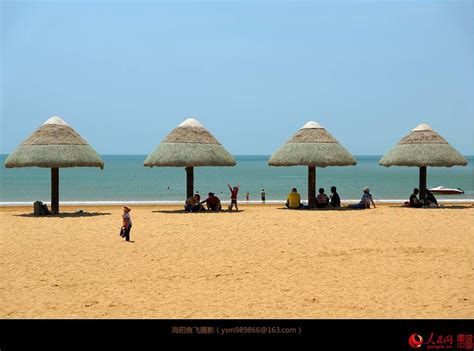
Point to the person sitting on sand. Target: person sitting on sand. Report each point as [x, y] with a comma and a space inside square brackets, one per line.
[322, 200]
[213, 203]
[193, 204]
[294, 200]
[414, 201]
[430, 199]
[365, 201]
[126, 223]
[335, 199]
[233, 196]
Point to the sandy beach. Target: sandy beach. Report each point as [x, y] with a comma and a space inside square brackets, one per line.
[263, 262]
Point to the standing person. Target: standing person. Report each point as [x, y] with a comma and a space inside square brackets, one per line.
[126, 223]
[247, 197]
[335, 199]
[262, 195]
[233, 196]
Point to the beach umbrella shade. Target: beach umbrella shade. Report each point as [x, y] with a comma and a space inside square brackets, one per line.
[423, 147]
[54, 145]
[312, 146]
[189, 145]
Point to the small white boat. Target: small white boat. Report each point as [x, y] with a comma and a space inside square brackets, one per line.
[446, 191]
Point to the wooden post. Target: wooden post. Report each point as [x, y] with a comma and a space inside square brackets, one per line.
[54, 190]
[311, 186]
[189, 182]
[423, 184]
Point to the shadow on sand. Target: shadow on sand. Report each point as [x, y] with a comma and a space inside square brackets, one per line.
[319, 209]
[66, 215]
[443, 207]
[201, 212]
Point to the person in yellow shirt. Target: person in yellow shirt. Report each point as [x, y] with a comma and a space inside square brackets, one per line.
[294, 200]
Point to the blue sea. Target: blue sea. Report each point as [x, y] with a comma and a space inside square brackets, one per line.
[125, 179]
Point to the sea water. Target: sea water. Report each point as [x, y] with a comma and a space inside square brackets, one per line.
[125, 179]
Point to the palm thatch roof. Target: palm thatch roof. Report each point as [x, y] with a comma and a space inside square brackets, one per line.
[423, 147]
[312, 145]
[54, 145]
[189, 145]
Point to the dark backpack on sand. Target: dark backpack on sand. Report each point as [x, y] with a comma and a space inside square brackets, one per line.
[40, 209]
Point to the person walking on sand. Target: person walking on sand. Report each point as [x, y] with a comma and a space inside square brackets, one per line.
[126, 223]
[262, 195]
[233, 197]
[247, 197]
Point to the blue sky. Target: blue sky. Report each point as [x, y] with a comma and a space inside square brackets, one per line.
[124, 74]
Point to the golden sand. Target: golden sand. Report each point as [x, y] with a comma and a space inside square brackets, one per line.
[263, 262]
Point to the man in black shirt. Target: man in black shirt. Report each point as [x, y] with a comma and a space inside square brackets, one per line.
[430, 199]
[414, 202]
[335, 200]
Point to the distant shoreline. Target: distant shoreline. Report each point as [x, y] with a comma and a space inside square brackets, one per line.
[170, 202]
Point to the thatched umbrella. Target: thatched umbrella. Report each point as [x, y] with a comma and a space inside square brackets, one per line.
[312, 146]
[189, 145]
[54, 145]
[423, 147]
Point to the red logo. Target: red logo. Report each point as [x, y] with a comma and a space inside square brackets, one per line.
[415, 341]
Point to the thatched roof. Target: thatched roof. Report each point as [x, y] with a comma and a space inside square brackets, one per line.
[54, 145]
[423, 147]
[312, 145]
[189, 145]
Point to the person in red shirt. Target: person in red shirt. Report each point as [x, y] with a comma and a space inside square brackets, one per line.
[213, 203]
[233, 196]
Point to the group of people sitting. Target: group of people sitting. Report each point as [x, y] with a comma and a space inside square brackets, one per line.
[322, 200]
[194, 203]
[213, 203]
[417, 203]
[333, 201]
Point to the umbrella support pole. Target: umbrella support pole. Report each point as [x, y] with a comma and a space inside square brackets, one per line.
[189, 182]
[423, 184]
[311, 186]
[54, 191]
